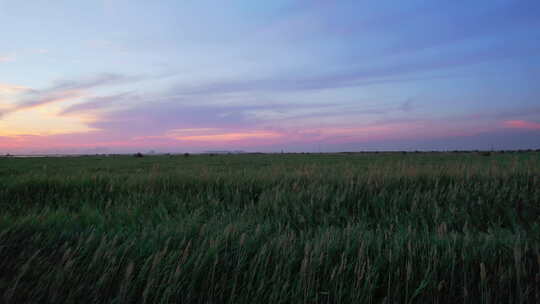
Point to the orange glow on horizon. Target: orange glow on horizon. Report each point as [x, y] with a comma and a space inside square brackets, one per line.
[38, 115]
[43, 128]
[42, 121]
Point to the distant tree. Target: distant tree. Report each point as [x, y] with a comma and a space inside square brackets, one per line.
[138, 154]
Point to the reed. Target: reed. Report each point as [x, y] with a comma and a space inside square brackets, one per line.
[335, 228]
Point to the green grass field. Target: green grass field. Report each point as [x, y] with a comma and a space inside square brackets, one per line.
[283, 228]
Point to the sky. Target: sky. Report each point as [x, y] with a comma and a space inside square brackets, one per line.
[121, 76]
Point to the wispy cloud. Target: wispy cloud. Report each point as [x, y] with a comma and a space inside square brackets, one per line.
[409, 71]
[522, 124]
[10, 89]
[408, 134]
[50, 97]
[68, 90]
[280, 114]
[7, 58]
[99, 103]
[104, 79]
[282, 73]
[217, 135]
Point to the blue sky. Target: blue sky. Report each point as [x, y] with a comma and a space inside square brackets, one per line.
[176, 76]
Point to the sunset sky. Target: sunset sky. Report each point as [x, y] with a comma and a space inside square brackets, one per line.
[121, 76]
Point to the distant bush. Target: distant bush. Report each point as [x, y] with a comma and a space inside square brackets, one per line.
[186, 154]
[485, 153]
[138, 154]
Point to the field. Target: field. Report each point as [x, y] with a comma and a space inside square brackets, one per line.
[282, 228]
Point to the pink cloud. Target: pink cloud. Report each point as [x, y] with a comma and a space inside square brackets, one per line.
[7, 58]
[522, 124]
[12, 89]
[254, 138]
[217, 135]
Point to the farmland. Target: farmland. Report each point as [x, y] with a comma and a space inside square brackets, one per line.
[278, 228]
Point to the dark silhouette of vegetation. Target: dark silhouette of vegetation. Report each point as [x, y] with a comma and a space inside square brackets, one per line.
[485, 153]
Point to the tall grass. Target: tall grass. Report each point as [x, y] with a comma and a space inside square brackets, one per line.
[362, 228]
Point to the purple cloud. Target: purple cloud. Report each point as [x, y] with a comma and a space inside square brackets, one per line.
[99, 103]
[358, 77]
